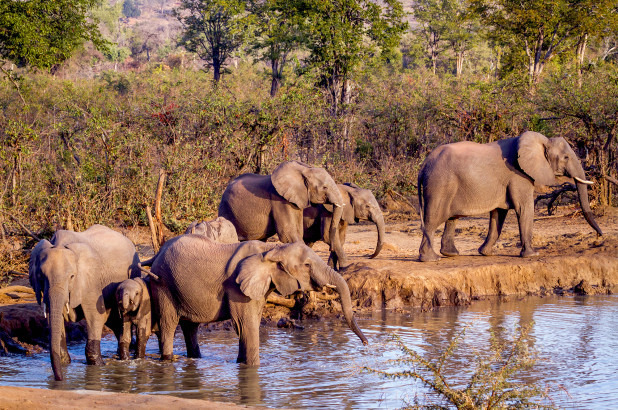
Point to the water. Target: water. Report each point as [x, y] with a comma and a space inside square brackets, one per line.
[320, 366]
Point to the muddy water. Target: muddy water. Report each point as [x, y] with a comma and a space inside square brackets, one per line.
[320, 366]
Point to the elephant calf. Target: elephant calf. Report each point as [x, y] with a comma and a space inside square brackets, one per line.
[359, 204]
[202, 281]
[219, 229]
[133, 298]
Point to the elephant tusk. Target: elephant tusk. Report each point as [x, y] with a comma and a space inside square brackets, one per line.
[328, 285]
[68, 308]
[44, 310]
[583, 181]
[338, 205]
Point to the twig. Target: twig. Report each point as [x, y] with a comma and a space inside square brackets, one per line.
[9, 76]
[153, 230]
[28, 231]
[146, 271]
[553, 196]
[610, 179]
[158, 195]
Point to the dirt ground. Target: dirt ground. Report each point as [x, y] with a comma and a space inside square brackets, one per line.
[572, 259]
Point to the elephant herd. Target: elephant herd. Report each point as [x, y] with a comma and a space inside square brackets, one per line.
[207, 275]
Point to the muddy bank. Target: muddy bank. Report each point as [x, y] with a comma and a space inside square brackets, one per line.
[27, 398]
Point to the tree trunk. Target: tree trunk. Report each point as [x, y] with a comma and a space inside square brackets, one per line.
[276, 78]
[580, 54]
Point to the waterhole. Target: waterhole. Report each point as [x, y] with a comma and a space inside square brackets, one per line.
[321, 366]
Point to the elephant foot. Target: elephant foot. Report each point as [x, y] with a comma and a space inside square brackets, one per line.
[486, 250]
[123, 351]
[451, 251]
[167, 357]
[93, 353]
[429, 257]
[528, 253]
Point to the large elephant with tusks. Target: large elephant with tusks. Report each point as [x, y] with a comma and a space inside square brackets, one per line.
[466, 178]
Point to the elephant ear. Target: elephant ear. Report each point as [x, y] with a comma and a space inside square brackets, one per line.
[34, 265]
[244, 250]
[531, 147]
[289, 182]
[256, 273]
[85, 262]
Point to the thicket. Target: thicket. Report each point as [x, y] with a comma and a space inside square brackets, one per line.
[90, 151]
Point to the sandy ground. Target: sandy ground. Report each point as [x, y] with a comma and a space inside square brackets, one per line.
[21, 398]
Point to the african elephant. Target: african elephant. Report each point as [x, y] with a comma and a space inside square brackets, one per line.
[202, 281]
[359, 204]
[133, 302]
[466, 178]
[219, 229]
[74, 276]
[260, 206]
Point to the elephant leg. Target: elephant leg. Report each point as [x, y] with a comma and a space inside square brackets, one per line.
[189, 329]
[525, 217]
[142, 337]
[496, 222]
[426, 252]
[94, 323]
[447, 247]
[248, 329]
[124, 341]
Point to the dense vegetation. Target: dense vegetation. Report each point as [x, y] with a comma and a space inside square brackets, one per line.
[84, 138]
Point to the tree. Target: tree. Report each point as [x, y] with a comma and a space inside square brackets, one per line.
[213, 29]
[42, 33]
[130, 8]
[343, 33]
[462, 32]
[541, 29]
[277, 35]
[433, 18]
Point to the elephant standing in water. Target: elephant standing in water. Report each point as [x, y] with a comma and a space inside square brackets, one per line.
[133, 303]
[359, 204]
[466, 178]
[74, 277]
[202, 281]
[261, 206]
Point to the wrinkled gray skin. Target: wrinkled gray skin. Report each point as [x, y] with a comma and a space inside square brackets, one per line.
[202, 281]
[466, 178]
[360, 205]
[74, 276]
[219, 230]
[133, 303]
[261, 206]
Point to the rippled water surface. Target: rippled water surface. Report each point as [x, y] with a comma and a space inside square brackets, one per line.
[320, 366]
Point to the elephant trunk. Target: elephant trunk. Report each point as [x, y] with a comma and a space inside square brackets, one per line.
[335, 279]
[576, 171]
[57, 300]
[378, 219]
[582, 190]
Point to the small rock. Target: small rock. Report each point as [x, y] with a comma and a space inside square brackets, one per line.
[284, 322]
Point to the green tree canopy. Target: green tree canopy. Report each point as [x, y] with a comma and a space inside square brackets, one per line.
[213, 29]
[278, 32]
[42, 33]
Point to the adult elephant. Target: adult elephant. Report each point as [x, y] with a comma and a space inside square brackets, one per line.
[466, 178]
[219, 230]
[74, 277]
[202, 281]
[260, 206]
[359, 205]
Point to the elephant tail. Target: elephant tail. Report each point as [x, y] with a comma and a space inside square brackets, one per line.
[421, 202]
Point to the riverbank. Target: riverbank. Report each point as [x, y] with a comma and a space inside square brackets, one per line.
[23, 398]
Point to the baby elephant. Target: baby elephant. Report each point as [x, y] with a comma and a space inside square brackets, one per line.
[219, 229]
[133, 298]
